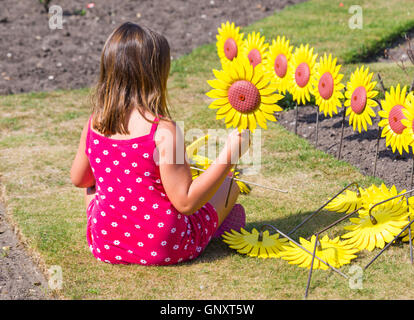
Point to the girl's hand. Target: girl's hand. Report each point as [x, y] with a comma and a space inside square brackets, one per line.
[238, 143]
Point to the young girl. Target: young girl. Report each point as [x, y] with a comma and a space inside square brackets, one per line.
[142, 204]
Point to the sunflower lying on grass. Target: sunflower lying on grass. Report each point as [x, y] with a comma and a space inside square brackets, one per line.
[335, 252]
[249, 243]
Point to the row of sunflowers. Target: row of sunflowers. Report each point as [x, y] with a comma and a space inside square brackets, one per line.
[256, 75]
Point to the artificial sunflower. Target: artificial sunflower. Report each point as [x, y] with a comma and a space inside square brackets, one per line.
[278, 63]
[359, 101]
[335, 252]
[229, 42]
[255, 245]
[327, 85]
[394, 130]
[346, 202]
[373, 231]
[255, 49]
[301, 73]
[408, 112]
[373, 195]
[202, 162]
[244, 96]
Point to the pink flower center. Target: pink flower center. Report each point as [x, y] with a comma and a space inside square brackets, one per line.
[394, 118]
[359, 100]
[326, 85]
[230, 49]
[244, 96]
[280, 65]
[302, 74]
[254, 57]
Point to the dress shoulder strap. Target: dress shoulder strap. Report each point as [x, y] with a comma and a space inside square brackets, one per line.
[154, 127]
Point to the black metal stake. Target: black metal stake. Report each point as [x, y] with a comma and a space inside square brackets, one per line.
[296, 118]
[323, 206]
[317, 127]
[316, 243]
[342, 134]
[304, 249]
[378, 140]
[231, 184]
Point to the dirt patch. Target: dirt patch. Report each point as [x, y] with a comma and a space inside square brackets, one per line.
[35, 58]
[19, 278]
[358, 148]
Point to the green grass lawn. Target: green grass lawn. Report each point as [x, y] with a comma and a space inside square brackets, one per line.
[40, 134]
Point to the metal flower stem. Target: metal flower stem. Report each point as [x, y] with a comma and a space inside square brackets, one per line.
[231, 184]
[296, 119]
[317, 242]
[412, 169]
[398, 235]
[342, 133]
[249, 182]
[304, 249]
[378, 137]
[317, 126]
[323, 206]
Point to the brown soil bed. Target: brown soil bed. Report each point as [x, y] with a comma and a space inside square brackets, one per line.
[358, 149]
[35, 58]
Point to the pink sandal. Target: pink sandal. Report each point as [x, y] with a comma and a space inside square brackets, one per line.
[235, 220]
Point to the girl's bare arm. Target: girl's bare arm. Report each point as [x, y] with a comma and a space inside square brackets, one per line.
[185, 194]
[81, 173]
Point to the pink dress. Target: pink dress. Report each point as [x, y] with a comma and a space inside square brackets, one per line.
[131, 219]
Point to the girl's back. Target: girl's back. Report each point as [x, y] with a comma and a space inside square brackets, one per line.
[131, 219]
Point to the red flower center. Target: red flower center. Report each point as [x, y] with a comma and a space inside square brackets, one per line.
[394, 118]
[280, 65]
[326, 85]
[359, 100]
[230, 49]
[244, 96]
[302, 74]
[254, 57]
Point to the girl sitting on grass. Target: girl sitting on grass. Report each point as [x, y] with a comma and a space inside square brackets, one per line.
[142, 205]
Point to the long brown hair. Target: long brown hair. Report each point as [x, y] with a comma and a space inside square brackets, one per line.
[135, 64]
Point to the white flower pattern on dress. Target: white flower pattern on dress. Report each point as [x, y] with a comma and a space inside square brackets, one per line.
[184, 242]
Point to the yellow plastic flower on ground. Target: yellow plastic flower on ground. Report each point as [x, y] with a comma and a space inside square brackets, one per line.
[255, 49]
[405, 236]
[229, 42]
[408, 112]
[394, 130]
[370, 232]
[373, 194]
[278, 63]
[202, 162]
[327, 85]
[335, 252]
[303, 69]
[359, 101]
[270, 246]
[244, 96]
[345, 202]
